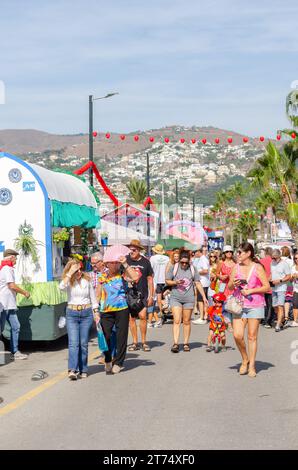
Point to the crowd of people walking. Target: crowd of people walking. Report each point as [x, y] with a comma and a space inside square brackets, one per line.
[233, 291]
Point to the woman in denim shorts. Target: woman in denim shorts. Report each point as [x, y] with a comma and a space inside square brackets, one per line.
[250, 276]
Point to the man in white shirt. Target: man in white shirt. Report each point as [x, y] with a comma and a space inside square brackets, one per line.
[201, 262]
[280, 275]
[8, 303]
[159, 262]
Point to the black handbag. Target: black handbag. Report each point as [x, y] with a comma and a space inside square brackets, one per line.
[134, 298]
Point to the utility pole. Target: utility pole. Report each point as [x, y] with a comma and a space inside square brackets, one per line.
[148, 205]
[91, 138]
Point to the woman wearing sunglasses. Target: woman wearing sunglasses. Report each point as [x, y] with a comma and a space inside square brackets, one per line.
[81, 307]
[182, 277]
[249, 276]
[294, 278]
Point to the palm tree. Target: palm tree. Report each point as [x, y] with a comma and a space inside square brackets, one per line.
[277, 169]
[247, 224]
[137, 190]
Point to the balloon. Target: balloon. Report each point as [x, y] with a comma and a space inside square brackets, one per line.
[262, 138]
[293, 135]
[230, 140]
[217, 140]
[122, 137]
[94, 133]
[108, 135]
[278, 137]
[245, 140]
[204, 141]
[136, 138]
[167, 140]
[151, 139]
[182, 141]
[193, 141]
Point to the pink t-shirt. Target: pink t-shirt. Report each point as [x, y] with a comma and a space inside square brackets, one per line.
[255, 300]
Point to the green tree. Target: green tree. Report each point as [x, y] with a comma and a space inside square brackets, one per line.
[247, 224]
[277, 169]
[137, 190]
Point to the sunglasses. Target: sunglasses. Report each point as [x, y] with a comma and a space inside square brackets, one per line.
[212, 256]
[184, 262]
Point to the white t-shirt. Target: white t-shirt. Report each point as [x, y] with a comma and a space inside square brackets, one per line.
[202, 264]
[295, 282]
[159, 264]
[7, 296]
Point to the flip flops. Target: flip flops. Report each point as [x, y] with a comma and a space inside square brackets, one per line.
[39, 375]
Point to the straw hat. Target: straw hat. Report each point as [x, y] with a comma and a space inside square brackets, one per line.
[158, 249]
[136, 244]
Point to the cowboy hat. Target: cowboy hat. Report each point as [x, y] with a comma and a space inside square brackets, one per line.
[136, 244]
[158, 249]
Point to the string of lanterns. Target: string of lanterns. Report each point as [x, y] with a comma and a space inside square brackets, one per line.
[204, 141]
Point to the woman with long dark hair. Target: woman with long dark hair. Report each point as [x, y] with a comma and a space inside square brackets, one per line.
[182, 278]
[249, 276]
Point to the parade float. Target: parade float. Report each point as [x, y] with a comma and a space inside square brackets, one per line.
[39, 209]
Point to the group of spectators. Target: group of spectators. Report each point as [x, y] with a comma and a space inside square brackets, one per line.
[191, 280]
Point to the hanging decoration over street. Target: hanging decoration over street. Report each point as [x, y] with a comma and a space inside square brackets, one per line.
[229, 140]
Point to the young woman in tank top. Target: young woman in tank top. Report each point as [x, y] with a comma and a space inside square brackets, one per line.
[251, 277]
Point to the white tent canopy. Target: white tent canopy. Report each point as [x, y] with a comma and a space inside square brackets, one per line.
[65, 188]
[123, 235]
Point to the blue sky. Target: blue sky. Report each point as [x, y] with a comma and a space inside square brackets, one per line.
[226, 63]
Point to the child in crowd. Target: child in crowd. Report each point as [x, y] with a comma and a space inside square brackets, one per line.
[215, 315]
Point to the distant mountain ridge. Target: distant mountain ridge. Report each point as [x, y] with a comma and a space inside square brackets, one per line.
[23, 141]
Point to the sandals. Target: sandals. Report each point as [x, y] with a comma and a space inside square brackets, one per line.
[145, 347]
[133, 347]
[175, 348]
[39, 375]
[252, 373]
[243, 370]
[186, 348]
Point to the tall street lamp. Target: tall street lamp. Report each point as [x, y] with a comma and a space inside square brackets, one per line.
[91, 99]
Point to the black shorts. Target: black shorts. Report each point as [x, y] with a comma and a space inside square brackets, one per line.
[160, 288]
[200, 298]
[295, 300]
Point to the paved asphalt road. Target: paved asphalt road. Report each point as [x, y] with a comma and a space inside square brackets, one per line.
[192, 400]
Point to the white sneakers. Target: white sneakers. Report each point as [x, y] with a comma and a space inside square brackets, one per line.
[19, 356]
[199, 321]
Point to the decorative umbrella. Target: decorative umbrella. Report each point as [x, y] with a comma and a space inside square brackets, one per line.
[113, 253]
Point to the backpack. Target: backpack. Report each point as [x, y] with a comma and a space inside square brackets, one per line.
[192, 269]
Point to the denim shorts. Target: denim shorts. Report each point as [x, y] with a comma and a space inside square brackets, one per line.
[252, 312]
[278, 298]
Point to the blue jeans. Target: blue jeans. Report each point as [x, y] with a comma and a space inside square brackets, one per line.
[11, 317]
[78, 325]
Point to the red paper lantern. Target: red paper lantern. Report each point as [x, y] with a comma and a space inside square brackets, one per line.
[94, 133]
[278, 137]
[136, 138]
[217, 140]
[182, 141]
[230, 140]
[108, 135]
[245, 140]
[204, 141]
[167, 140]
[262, 138]
[151, 139]
[193, 141]
[293, 135]
[122, 137]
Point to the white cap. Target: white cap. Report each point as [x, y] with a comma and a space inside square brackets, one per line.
[227, 248]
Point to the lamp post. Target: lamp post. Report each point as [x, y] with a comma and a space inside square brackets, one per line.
[91, 99]
[148, 195]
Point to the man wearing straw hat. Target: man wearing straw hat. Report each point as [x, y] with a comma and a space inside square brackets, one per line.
[159, 262]
[146, 287]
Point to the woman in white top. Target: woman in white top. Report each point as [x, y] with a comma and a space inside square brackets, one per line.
[294, 278]
[82, 306]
